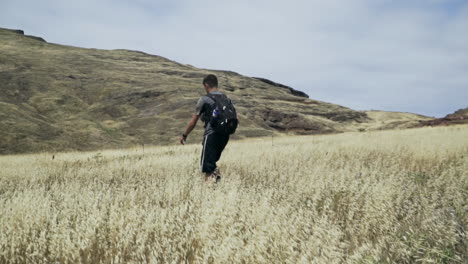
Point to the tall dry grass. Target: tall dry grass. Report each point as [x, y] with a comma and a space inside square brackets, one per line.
[373, 197]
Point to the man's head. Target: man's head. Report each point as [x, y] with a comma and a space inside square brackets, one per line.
[210, 82]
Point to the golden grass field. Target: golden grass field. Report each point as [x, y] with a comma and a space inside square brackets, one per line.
[372, 197]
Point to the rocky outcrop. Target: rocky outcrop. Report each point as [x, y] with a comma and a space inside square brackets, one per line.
[459, 117]
[291, 90]
[293, 122]
[21, 32]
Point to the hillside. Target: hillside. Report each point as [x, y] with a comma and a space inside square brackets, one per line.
[381, 120]
[458, 117]
[56, 98]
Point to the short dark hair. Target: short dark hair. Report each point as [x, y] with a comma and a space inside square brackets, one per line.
[211, 80]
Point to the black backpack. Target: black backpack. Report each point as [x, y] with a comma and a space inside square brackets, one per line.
[222, 117]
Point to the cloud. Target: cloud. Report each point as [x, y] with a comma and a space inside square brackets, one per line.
[365, 54]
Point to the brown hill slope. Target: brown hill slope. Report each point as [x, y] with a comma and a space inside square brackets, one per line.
[56, 97]
[459, 117]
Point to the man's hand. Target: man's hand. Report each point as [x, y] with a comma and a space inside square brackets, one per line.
[182, 140]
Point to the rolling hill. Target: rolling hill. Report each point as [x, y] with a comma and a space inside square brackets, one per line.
[56, 98]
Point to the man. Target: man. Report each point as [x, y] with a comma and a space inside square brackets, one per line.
[213, 142]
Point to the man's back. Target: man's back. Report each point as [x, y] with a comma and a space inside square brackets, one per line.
[213, 142]
[204, 110]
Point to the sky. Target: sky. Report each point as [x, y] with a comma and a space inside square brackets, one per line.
[392, 55]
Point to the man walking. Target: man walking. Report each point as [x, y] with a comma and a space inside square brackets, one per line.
[219, 115]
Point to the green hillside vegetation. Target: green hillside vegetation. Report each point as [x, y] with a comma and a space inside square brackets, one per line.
[56, 98]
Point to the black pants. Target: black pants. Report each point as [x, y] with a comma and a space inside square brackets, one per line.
[213, 146]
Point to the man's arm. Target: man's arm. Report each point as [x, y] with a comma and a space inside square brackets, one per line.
[191, 124]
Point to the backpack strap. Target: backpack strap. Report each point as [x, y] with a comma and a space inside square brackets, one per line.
[208, 109]
[212, 97]
[213, 104]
